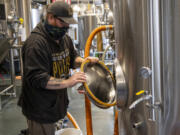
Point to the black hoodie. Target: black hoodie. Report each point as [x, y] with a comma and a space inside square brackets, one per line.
[43, 58]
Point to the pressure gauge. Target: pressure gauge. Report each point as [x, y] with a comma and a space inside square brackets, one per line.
[145, 72]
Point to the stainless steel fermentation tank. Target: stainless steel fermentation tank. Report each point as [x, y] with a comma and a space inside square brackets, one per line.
[148, 50]
[86, 24]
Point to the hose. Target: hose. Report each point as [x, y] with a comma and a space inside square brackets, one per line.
[91, 36]
[71, 118]
[86, 54]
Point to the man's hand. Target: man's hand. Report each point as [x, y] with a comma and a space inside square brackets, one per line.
[55, 83]
[92, 59]
[79, 60]
[78, 77]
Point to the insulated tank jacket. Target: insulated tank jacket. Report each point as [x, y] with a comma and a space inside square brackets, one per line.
[43, 58]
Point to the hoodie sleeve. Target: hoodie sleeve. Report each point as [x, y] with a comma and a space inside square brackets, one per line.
[36, 66]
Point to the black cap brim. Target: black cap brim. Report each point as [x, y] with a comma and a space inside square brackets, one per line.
[69, 20]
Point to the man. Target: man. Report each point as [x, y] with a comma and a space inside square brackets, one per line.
[48, 54]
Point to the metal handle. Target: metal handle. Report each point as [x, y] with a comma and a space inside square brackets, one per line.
[139, 100]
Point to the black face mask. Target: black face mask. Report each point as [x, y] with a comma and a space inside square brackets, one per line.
[55, 32]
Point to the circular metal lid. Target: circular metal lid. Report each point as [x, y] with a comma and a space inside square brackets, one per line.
[100, 85]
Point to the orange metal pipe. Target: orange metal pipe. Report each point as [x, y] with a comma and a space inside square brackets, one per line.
[86, 54]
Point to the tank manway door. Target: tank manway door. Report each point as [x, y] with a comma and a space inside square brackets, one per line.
[121, 87]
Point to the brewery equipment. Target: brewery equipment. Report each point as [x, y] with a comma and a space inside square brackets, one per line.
[147, 49]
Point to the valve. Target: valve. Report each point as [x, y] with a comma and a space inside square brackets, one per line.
[146, 96]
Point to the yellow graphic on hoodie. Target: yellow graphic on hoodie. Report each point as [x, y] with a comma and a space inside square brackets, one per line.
[61, 64]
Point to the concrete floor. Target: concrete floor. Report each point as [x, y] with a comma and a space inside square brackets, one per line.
[12, 120]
